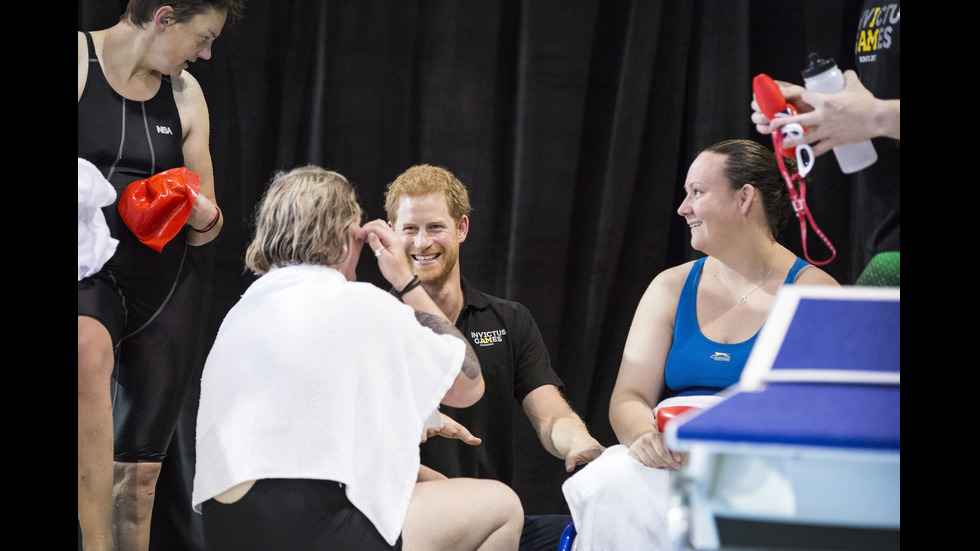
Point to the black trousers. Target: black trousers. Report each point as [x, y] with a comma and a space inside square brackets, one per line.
[542, 532]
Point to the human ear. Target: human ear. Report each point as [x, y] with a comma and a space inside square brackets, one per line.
[462, 228]
[163, 18]
[746, 197]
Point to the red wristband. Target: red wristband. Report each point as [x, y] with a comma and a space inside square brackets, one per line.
[217, 215]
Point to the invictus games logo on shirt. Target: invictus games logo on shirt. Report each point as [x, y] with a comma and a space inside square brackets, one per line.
[721, 357]
[875, 30]
[488, 338]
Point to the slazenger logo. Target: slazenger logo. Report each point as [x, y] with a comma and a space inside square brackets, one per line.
[721, 357]
[488, 338]
[164, 130]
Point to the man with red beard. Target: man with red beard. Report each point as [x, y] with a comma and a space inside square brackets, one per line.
[428, 208]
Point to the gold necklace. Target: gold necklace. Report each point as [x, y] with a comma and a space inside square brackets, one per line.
[743, 298]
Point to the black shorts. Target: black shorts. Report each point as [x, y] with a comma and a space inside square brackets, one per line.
[99, 298]
[290, 514]
[156, 328]
[134, 286]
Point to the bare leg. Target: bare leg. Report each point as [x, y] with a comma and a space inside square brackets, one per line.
[95, 361]
[134, 488]
[463, 514]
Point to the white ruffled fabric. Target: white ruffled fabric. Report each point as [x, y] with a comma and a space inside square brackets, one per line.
[95, 245]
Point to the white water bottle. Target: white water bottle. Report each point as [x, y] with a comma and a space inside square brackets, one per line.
[822, 75]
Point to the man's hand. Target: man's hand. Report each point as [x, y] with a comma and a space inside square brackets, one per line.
[582, 454]
[452, 429]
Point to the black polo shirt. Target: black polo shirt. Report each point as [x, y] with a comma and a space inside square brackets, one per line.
[514, 361]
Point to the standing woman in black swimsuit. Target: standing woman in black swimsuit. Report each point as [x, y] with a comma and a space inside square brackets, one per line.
[140, 113]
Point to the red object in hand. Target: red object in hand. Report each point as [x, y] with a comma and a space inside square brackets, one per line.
[156, 208]
[772, 103]
[768, 96]
[668, 413]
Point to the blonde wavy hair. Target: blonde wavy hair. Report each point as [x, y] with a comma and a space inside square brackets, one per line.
[306, 216]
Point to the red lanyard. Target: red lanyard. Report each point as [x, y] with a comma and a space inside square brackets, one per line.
[799, 203]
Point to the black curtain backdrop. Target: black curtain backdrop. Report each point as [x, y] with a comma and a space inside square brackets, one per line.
[571, 122]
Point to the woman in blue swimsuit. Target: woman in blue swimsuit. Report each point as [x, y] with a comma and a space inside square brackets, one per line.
[691, 334]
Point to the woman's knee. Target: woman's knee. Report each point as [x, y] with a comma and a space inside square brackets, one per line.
[504, 501]
[504, 515]
[461, 512]
[95, 357]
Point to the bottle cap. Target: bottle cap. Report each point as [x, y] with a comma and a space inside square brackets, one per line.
[818, 65]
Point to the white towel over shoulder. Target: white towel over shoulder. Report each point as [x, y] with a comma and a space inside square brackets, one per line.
[312, 376]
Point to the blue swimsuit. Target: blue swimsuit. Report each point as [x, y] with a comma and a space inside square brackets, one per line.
[696, 364]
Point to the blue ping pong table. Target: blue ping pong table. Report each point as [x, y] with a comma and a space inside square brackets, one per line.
[810, 436]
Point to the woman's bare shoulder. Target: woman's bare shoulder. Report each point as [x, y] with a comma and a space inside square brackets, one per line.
[672, 279]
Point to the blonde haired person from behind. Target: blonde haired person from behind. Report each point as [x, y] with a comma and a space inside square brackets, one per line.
[318, 389]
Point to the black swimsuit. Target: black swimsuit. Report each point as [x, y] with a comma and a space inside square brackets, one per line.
[147, 300]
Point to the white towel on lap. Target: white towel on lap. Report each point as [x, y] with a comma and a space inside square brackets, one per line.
[620, 504]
